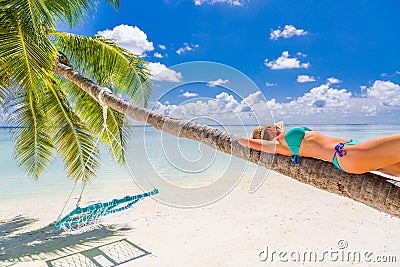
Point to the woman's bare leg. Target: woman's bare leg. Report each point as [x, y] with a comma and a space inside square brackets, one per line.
[393, 169]
[378, 153]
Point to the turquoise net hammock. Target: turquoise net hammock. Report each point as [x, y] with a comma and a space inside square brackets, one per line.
[85, 219]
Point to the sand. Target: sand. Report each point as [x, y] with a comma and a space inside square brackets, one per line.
[242, 229]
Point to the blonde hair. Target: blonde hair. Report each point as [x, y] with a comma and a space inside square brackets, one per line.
[257, 132]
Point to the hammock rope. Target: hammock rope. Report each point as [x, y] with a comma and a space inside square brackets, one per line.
[87, 218]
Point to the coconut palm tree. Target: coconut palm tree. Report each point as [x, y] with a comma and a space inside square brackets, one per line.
[47, 90]
[51, 113]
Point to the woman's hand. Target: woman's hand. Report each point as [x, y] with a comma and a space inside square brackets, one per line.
[244, 141]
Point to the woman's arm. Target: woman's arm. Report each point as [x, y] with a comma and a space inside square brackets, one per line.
[258, 144]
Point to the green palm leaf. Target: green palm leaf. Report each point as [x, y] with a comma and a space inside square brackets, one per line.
[120, 134]
[108, 64]
[2, 98]
[27, 58]
[46, 13]
[89, 110]
[3, 93]
[72, 138]
[33, 148]
[32, 12]
[73, 11]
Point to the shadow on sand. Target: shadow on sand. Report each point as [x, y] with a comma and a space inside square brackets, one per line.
[17, 245]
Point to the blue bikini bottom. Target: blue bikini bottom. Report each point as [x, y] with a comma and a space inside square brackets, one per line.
[339, 151]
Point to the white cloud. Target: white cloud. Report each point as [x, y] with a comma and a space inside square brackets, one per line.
[224, 108]
[129, 37]
[369, 110]
[321, 104]
[162, 47]
[305, 79]
[221, 107]
[301, 54]
[268, 84]
[333, 80]
[212, 2]
[162, 73]
[217, 82]
[250, 103]
[323, 97]
[189, 94]
[387, 92]
[390, 75]
[229, 101]
[320, 100]
[158, 55]
[285, 62]
[186, 48]
[287, 32]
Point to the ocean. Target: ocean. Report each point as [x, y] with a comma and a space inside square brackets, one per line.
[179, 162]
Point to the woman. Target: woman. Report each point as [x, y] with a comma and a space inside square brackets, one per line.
[379, 154]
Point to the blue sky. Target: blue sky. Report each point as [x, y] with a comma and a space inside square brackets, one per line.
[310, 61]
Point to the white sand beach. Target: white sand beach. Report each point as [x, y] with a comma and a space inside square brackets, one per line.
[283, 215]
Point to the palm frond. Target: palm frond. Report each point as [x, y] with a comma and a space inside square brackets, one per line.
[3, 92]
[33, 149]
[114, 3]
[2, 97]
[33, 12]
[27, 56]
[3, 78]
[2, 102]
[118, 136]
[108, 65]
[73, 141]
[73, 11]
[44, 14]
[89, 110]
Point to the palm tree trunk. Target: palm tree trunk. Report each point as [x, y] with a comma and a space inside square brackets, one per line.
[373, 190]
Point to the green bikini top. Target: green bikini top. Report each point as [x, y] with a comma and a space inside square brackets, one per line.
[293, 138]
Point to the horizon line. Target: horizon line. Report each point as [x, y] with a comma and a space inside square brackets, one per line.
[147, 125]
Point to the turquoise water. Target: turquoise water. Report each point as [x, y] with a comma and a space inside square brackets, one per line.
[189, 164]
